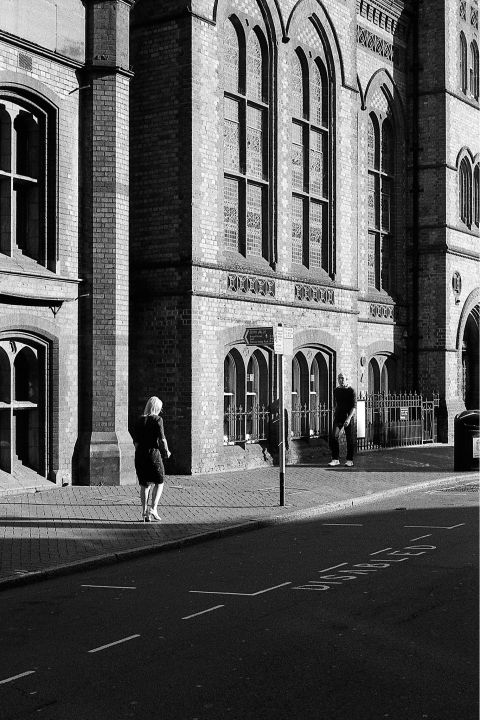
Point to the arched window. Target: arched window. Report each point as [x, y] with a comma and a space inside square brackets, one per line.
[23, 407]
[27, 187]
[476, 195]
[310, 394]
[463, 63]
[245, 147]
[246, 397]
[310, 158]
[465, 192]
[474, 69]
[381, 176]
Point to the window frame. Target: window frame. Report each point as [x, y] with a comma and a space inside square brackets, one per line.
[45, 181]
[305, 196]
[248, 183]
[381, 239]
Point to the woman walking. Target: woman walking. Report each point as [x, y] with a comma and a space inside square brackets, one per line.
[150, 447]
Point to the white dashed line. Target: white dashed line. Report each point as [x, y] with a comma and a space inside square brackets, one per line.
[344, 524]
[219, 592]
[380, 551]
[215, 607]
[117, 642]
[16, 677]
[334, 567]
[111, 587]
[435, 527]
[420, 538]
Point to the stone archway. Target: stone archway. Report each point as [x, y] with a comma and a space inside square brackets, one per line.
[470, 360]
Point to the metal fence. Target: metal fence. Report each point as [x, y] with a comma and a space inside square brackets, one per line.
[393, 420]
[246, 426]
[311, 423]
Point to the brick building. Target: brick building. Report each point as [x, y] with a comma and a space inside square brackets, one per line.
[311, 164]
[64, 90]
[308, 163]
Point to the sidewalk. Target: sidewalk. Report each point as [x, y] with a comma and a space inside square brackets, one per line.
[53, 531]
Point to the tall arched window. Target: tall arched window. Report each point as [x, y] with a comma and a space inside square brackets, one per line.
[27, 187]
[474, 69]
[245, 147]
[476, 195]
[311, 393]
[463, 63]
[381, 174]
[310, 158]
[465, 192]
[246, 396]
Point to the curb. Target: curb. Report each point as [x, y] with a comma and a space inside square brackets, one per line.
[250, 525]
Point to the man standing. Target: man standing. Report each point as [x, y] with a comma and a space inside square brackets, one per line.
[345, 401]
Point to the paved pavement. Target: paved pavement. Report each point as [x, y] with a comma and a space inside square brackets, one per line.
[56, 530]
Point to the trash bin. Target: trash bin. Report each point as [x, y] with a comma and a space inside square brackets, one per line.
[466, 442]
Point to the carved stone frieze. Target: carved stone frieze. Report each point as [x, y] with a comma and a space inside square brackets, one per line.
[381, 311]
[248, 284]
[312, 293]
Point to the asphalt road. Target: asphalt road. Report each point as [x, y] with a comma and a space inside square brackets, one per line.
[356, 615]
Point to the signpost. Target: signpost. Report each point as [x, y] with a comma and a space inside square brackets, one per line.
[281, 339]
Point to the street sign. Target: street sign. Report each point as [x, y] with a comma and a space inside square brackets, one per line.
[283, 340]
[278, 340]
[259, 336]
[404, 413]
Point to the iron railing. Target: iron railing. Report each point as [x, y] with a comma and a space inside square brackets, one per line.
[246, 426]
[393, 420]
[311, 422]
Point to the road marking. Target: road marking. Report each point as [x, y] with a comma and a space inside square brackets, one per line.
[380, 551]
[112, 587]
[15, 677]
[117, 642]
[344, 524]
[259, 592]
[420, 538]
[215, 607]
[435, 527]
[334, 567]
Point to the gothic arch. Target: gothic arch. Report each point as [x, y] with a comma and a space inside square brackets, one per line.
[315, 11]
[383, 81]
[273, 21]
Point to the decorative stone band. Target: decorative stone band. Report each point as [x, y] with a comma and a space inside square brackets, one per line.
[314, 294]
[380, 46]
[382, 312]
[248, 284]
[474, 17]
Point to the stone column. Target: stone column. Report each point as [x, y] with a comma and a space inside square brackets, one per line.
[105, 449]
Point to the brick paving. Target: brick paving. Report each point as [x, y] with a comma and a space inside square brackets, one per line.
[49, 529]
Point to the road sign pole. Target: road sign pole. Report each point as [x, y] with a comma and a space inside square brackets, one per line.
[281, 429]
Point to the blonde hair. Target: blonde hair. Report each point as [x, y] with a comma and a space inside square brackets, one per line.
[153, 407]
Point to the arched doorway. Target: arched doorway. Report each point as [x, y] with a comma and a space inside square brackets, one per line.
[470, 364]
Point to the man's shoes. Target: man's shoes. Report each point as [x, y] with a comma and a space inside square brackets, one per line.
[349, 463]
[334, 462]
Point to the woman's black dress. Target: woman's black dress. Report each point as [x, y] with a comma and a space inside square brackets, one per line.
[149, 436]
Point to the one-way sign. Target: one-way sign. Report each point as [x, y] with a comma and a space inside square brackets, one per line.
[259, 336]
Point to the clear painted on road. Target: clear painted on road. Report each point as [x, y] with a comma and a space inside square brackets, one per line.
[259, 592]
[117, 642]
[202, 612]
[325, 582]
[16, 677]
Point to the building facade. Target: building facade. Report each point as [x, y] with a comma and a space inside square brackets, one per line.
[64, 102]
[314, 164]
[311, 164]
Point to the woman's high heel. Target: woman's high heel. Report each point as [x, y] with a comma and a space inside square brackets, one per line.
[153, 515]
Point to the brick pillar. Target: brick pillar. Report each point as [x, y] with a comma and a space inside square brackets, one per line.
[105, 449]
